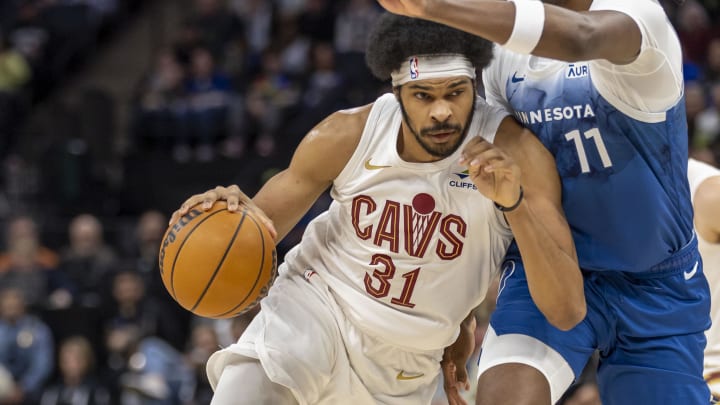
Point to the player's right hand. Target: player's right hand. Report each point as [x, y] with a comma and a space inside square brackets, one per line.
[235, 199]
[495, 173]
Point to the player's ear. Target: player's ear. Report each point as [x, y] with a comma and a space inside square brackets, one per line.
[396, 92]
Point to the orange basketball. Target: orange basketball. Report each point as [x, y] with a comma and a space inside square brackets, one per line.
[217, 263]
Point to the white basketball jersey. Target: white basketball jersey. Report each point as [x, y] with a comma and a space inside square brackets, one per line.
[710, 253]
[408, 249]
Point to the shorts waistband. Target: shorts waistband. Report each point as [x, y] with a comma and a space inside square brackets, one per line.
[674, 264]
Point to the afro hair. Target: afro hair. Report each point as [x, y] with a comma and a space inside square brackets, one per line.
[395, 38]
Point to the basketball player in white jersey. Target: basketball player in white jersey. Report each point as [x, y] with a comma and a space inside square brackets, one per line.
[365, 304]
[705, 192]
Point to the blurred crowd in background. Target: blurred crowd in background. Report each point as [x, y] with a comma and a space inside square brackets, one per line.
[86, 191]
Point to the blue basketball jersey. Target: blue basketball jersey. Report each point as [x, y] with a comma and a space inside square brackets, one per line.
[624, 183]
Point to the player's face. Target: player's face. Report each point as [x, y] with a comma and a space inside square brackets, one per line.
[438, 112]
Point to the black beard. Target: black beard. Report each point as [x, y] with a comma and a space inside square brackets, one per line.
[437, 128]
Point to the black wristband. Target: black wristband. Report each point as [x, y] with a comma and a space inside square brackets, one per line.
[517, 203]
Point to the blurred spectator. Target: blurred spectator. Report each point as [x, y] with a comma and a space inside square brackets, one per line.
[187, 38]
[130, 305]
[14, 69]
[290, 7]
[271, 94]
[209, 99]
[28, 34]
[86, 265]
[77, 383]
[353, 25]
[260, 20]
[162, 108]
[712, 69]
[707, 128]
[692, 71]
[149, 231]
[26, 348]
[14, 76]
[148, 370]
[87, 262]
[25, 228]
[694, 30]
[29, 266]
[351, 32]
[325, 89]
[695, 103]
[236, 63]
[293, 48]
[21, 182]
[214, 26]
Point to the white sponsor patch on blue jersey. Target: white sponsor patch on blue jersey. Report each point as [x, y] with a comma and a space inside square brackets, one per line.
[576, 70]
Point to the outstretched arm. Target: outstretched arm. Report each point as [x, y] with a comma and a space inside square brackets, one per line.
[566, 34]
[520, 176]
[541, 230]
[288, 195]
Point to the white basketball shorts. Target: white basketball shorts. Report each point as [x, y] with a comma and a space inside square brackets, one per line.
[304, 342]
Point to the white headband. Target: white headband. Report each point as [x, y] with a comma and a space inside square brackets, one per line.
[423, 67]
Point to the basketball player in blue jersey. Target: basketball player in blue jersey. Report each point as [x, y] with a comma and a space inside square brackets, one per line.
[600, 83]
[365, 304]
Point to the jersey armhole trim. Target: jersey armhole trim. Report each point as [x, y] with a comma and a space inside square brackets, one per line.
[623, 107]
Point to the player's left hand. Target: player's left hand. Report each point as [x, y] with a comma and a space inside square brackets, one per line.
[455, 357]
[235, 199]
[495, 174]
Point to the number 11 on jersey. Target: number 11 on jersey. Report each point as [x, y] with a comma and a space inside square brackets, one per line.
[594, 134]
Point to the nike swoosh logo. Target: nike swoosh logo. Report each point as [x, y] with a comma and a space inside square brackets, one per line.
[402, 377]
[689, 274]
[371, 166]
[516, 79]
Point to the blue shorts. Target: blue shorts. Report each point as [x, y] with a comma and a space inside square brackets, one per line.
[648, 327]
